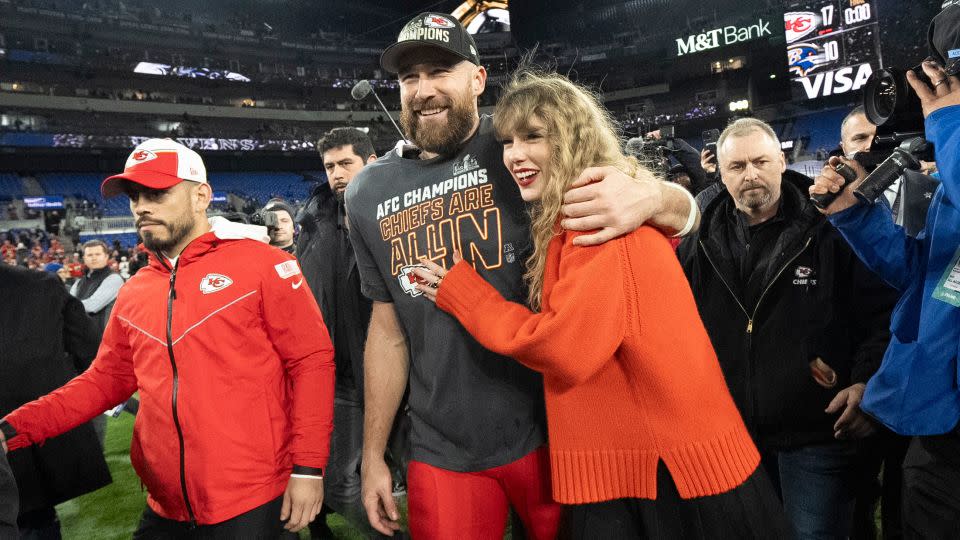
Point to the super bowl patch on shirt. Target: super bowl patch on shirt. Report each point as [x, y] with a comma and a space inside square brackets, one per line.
[287, 269]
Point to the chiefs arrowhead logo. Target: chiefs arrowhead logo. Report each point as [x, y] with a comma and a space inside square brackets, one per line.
[408, 280]
[438, 22]
[143, 155]
[212, 283]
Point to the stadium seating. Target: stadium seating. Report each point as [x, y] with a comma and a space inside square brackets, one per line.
[10, 187]
[82, 186]
[127, 239]
[822, 128]
[262, 186]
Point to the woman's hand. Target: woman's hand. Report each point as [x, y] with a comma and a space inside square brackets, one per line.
[431, 275]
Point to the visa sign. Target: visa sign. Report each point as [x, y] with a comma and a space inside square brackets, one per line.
[831, 83]
[728, 35]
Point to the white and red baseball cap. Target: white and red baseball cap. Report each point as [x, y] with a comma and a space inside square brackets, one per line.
[157, 164]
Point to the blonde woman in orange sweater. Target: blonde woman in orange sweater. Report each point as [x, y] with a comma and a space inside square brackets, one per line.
[645, 440]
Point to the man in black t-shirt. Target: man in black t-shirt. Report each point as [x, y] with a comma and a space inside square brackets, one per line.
[478, 428]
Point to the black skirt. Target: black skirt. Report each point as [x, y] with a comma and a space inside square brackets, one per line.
[752, 510]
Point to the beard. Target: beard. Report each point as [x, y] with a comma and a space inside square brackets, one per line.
[755, 197]
[445, 138]
[339, 191]
[172, 235]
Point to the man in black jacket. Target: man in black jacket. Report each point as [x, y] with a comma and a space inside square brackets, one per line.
[329, 265]
[798, 323]
[9, 503]
[43, 326]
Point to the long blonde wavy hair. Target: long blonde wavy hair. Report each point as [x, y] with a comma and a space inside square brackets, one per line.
[580, 132]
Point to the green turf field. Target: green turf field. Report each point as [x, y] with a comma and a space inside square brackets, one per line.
[112, 512]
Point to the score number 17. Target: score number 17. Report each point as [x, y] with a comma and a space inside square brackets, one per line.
[827, 13]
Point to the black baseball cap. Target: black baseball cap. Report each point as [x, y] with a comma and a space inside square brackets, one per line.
[279, 204]
[438, 30]
[944, 38]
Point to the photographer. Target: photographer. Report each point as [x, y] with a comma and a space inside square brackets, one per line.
[882, 454]
[657, 147]
[915, 390]
[909, 196]
[283, 233]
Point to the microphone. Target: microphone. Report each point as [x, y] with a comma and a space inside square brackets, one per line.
[361, 90]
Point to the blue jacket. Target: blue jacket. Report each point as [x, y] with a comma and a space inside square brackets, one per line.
[915, 392]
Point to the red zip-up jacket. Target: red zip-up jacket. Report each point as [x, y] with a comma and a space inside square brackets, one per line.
[235, 372]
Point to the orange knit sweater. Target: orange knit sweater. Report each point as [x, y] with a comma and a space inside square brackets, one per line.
[629, 372]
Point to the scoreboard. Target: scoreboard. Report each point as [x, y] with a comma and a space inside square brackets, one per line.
[832, 45]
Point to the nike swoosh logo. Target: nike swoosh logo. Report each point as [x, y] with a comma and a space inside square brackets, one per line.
[297, 284]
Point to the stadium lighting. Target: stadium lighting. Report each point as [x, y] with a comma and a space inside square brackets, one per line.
[740, 105]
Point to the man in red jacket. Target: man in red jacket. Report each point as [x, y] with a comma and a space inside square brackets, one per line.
[231, 358]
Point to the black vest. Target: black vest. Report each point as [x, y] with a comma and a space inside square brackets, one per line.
[88, 285]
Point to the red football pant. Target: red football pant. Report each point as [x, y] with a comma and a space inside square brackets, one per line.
[448, 505]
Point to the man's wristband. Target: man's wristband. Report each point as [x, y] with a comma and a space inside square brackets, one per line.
[302, 471]
[691, 216]
[8, 431]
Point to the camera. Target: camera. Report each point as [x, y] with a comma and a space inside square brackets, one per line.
[904, 157]
[264, 218]
[899, 145]
[883, 145]
[886, 161]
[889, 101]
[891, 104]
[653, 153]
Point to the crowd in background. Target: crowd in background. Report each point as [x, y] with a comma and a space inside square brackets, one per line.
[37, 249]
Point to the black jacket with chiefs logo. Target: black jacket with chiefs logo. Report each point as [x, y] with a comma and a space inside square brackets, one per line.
[774, 298]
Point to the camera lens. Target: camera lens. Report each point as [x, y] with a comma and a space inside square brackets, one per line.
[882, 95]
[886, 98]
[889, 101]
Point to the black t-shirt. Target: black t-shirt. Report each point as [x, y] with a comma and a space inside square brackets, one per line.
[471, 409]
